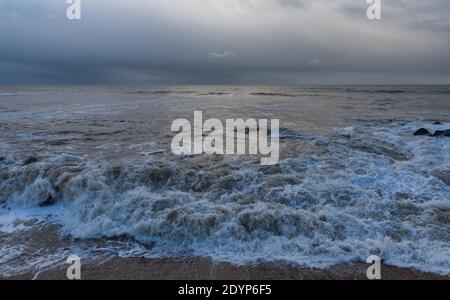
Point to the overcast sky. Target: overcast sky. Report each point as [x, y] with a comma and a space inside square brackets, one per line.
[225, 42]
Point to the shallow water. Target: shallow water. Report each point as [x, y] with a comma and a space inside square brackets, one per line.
[353, 180]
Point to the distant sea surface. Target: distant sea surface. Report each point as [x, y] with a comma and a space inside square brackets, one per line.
[353, 179]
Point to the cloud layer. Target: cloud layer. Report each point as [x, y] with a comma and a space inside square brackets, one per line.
[225, 41]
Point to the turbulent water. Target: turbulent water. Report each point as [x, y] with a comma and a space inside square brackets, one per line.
[352, 181]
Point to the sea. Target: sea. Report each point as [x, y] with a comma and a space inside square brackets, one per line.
[93, 166]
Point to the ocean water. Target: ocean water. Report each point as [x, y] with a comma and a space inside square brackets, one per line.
[352, 181]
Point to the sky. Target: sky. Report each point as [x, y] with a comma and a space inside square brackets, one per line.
[224, 42]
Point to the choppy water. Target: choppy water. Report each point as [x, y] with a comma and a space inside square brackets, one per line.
[353, 180]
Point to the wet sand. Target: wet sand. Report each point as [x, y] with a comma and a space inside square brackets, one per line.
[115, 268]
[108, 266]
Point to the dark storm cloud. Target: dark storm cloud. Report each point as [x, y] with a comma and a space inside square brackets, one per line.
[218, 41]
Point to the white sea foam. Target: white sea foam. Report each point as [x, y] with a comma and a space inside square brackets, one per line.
[344, 196]
[13, 218]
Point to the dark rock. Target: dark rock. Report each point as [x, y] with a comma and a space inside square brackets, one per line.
[437, 123]
[50, 200]
[422, 131]
[440, 133]
[30, 160]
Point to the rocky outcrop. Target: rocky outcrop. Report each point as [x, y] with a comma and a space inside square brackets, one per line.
[437, 133]
[442, 133]
[422, 131]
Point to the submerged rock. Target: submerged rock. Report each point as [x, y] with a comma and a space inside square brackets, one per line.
[30, 160]
[440, 133]
[422, 131]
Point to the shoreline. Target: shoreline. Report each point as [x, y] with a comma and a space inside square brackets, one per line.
[116, 268]
[109, 266]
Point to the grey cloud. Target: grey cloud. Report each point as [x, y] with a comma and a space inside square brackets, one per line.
[254, 41]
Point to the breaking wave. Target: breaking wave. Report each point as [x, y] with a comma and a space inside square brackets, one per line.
[341, 197]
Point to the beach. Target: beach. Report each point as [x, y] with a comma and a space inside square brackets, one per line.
[98, 263]
[197, 269]
[88, 170]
